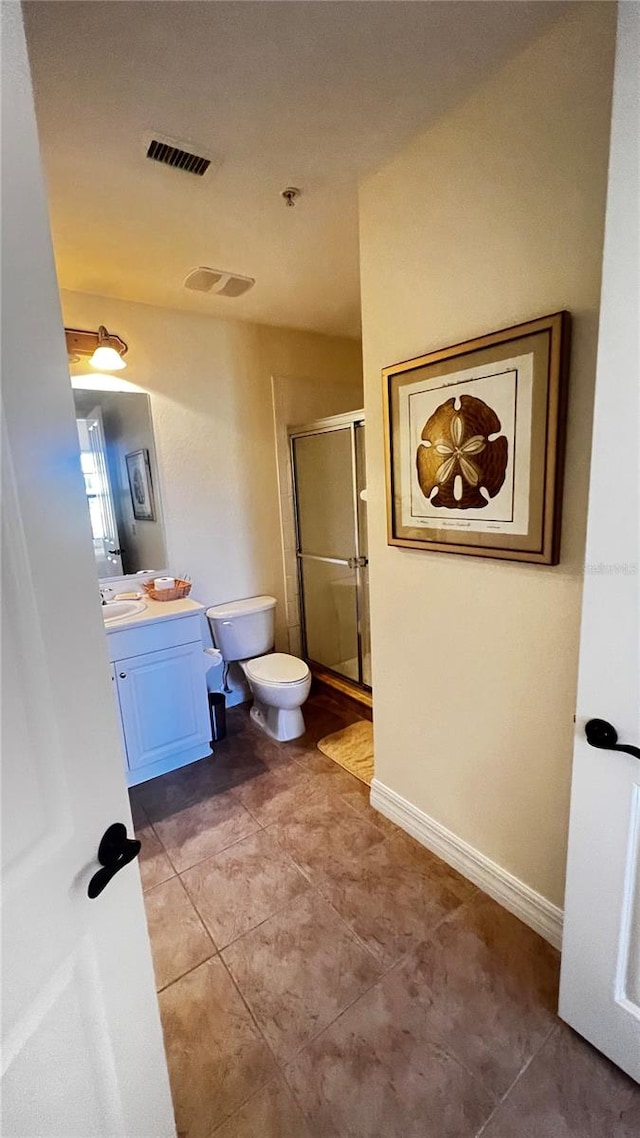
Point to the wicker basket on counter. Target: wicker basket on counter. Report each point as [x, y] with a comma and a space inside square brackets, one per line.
[181, 589]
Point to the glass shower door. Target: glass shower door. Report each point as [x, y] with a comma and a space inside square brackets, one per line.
[363, 559]
[329, 558]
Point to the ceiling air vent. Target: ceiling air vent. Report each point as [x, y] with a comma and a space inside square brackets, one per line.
[170, 154]
[222, 283]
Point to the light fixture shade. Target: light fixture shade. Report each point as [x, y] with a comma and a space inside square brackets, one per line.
[107, 358]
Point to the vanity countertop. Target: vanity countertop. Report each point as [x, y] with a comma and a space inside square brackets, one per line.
[155, 611]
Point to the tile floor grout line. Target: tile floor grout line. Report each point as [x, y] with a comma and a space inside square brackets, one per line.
[277, 1078]
[346, 924]
[281, 1063]
[285, 852]
[261, 1034]
[223, 849]
[521, 1072]
[165, 987]
[253, 928]
[250, 1011]
[306, 874]
[256, 1091]
[249, 812]
[404, 954]
[383, 974]
[210, 855]
[199, 914]
[305, 1114]
[450, 916]
[436, 1040]
[358, 814]
[216, 950]
[162, 846]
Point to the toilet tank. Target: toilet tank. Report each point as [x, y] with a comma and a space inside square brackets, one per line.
[244, 629]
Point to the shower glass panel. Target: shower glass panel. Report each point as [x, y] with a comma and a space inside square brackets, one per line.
[331, 616]
[323, 466]
[328, 469]
[365, 627]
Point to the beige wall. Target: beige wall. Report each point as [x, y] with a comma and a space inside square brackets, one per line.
[210, 386]
[492, 217]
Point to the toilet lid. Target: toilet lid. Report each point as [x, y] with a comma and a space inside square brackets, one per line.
[277, 668]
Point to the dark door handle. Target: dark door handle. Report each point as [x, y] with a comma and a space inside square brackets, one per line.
[115, 552]
[114, 852]
[604, 736]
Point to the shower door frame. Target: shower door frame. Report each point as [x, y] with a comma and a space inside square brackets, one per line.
[350, 420]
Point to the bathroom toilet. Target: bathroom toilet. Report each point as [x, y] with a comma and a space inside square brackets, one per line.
[244, 631]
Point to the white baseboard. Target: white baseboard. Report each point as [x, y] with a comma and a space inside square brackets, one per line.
[531, 907]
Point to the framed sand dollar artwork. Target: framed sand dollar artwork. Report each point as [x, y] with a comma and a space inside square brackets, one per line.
[475, 444]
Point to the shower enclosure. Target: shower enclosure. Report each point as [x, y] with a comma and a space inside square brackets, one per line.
[328, 464]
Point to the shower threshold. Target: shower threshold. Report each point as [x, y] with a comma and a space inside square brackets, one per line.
[345, 684]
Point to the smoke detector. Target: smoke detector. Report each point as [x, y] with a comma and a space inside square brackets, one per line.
[180, 154]
[218, 281]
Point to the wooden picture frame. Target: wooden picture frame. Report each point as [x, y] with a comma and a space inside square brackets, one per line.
[475, 444]
[140, 485]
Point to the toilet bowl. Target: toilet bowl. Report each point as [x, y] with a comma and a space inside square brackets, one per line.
[244, 631]
[280, 685]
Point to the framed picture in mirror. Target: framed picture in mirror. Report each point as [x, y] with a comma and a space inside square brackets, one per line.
[140, 485]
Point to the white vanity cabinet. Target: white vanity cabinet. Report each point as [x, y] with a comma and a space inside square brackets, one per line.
[161, 693]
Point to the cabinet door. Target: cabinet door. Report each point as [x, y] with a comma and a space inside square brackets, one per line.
[114, 689]
[163, 699]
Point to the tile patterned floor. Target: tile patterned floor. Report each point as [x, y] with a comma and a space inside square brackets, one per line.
[321, 975]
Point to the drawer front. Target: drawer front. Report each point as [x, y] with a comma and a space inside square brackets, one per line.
[143, 638]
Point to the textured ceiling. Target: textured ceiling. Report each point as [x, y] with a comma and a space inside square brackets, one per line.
[313, 94]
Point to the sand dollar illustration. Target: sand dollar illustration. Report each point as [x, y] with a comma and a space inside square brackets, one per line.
[457, 458]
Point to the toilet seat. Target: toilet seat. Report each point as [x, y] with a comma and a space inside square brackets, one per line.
[277, 669]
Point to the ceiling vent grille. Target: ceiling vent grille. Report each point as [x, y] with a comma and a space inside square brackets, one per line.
[170, 155]
[204, 279]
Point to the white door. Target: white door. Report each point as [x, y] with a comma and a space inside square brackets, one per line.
[163, 703]
[82, 1053]
[600, 984]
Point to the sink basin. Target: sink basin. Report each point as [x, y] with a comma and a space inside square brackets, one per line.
[118, 610]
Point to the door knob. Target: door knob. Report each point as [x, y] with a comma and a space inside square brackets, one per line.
[604, 736]
[114, 852]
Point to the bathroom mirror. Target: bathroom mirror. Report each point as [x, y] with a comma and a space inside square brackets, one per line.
[118, 456]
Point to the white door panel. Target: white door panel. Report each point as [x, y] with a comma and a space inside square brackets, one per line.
[600, 981]
[82, 1050]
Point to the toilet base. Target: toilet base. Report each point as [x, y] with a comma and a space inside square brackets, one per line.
[280, 723]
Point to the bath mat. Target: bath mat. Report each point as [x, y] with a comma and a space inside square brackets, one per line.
[352, 748]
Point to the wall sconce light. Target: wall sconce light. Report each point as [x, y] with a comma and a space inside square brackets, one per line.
[105, 349]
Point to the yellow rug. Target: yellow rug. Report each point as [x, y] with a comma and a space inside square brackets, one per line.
[352, 748]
